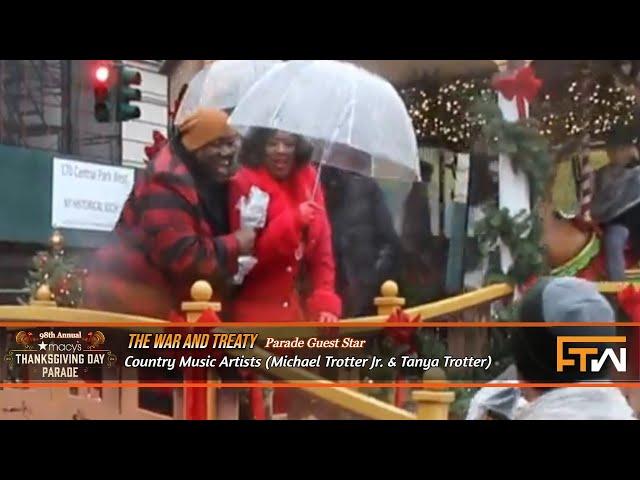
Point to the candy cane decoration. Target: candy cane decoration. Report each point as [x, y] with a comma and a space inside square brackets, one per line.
[584, 175]
[586, 179]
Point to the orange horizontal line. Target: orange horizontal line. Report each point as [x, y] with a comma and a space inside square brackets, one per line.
[452, 324]
[418, 385]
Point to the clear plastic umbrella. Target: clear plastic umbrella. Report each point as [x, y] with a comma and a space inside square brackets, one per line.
[338, 105]
[222, 84]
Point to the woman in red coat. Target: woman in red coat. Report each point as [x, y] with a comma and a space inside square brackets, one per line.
[296, 232]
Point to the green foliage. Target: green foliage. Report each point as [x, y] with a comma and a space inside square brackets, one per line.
[521, 233]
[62, 275]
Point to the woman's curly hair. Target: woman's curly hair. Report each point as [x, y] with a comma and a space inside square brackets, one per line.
[254, 144]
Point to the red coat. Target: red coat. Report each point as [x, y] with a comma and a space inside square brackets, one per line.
[162, 244]
[268, 293]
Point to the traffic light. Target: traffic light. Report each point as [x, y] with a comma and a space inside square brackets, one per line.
[102, 81]
[113, 92]
[125, 94]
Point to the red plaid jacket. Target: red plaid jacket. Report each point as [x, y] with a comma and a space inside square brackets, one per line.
[162, 244]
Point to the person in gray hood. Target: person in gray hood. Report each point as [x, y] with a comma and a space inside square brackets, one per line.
[567, 300]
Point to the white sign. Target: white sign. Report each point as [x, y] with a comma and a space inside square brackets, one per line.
[88, 196]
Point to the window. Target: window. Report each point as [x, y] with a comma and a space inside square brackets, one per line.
[31, 109]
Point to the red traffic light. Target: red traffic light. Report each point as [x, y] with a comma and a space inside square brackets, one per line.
[102, 74]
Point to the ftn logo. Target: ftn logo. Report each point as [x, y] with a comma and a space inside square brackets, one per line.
[583, 354]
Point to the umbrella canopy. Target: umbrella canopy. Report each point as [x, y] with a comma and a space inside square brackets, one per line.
[222, 84]
[335, 103]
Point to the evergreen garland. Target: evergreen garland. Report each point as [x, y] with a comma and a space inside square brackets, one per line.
[521, 233]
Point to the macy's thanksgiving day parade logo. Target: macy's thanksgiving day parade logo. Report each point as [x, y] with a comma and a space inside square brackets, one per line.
[59, 355]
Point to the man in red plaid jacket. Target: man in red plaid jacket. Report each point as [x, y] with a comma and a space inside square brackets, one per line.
[174, 228]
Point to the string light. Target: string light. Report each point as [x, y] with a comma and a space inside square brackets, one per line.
[595, 107]
[440, 112]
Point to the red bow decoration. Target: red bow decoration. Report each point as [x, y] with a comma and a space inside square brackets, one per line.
[208, 316]
[400, 335]
[629, 301]
[159, 141]
[524, 85]
[528, 284]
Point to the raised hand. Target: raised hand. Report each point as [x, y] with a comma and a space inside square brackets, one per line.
[307, 211]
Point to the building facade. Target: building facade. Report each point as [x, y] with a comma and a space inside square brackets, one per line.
[46, 112]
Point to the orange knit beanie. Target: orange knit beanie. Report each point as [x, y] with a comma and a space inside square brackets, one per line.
[204, 126]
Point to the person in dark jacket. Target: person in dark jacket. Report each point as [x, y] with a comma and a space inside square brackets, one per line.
[616, 205]
[174, 227]
[424, 255]
[365, 244]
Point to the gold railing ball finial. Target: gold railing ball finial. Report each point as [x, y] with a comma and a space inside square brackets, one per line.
[389, 301]
[433, 403]
[43, 294]
[435, 375]
[389, 289]
[201, 291]
[201, 294]
[43, 297]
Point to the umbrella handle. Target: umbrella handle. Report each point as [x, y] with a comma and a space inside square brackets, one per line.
[343, 118]
[317, 181]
